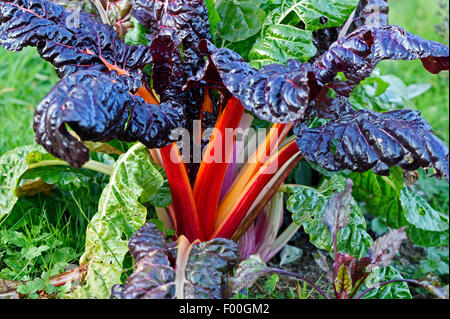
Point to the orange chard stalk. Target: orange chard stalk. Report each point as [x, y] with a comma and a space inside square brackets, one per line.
[183, 210]
[212, 169]
[276, 135]
[226, 226]
[186, 215]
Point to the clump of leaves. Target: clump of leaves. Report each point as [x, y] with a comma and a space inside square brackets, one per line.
[366, 277]
[311, 55]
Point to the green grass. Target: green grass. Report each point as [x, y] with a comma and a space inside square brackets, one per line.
[24, 80]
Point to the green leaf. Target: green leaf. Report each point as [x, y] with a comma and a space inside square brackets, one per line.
[120, 214]
[315, 14]
[396, 290]
[248, 272]
[12, 165]
[281, 43]
[240, 19]
[436, 262]
[271, 283]
[162, 197]
[309, 205]
[213, 17]
[381, 194]
[33, 252]
[389, 200]
[427, 238]
[61, 175]
[420, 214]
[137, 35]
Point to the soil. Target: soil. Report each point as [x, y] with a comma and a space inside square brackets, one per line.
[305, 266]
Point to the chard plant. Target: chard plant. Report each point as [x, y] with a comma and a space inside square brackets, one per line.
[134, 73]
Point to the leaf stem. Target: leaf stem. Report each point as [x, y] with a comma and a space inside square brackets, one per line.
[92, 165]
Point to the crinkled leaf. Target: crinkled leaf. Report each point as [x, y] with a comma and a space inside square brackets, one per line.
[13, 164]
[380, 193]
[313, 14]
[280, 44]
[240, 19]
[186, 21]
[99, 107]
[276, 93]
[119, 15]
[208, 263]
[343, 281]
[396, 290]
[363, 140]
[420, 214]
[69, 43]
[357, 54]
[309, 205]
[372, 13]
[120, 214]
[282, 94]
[322, 17]
[427, 238]
[382, 197]
[385, 248]
[198, 273]
[154, 276]
[167, 70]
[137, 35]
[248, 272]
[322, 39]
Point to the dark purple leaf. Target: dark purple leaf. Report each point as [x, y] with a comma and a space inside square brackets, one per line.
[68, 43]
[276, 93]
[372, 13]
[99, 107]
[167, 70]
[280, 93]
[185, 20]
[154, 276]
[363, 140]
[324, 38]
[157, 267]
[326, 107]
[207, 265]
[357, 54]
